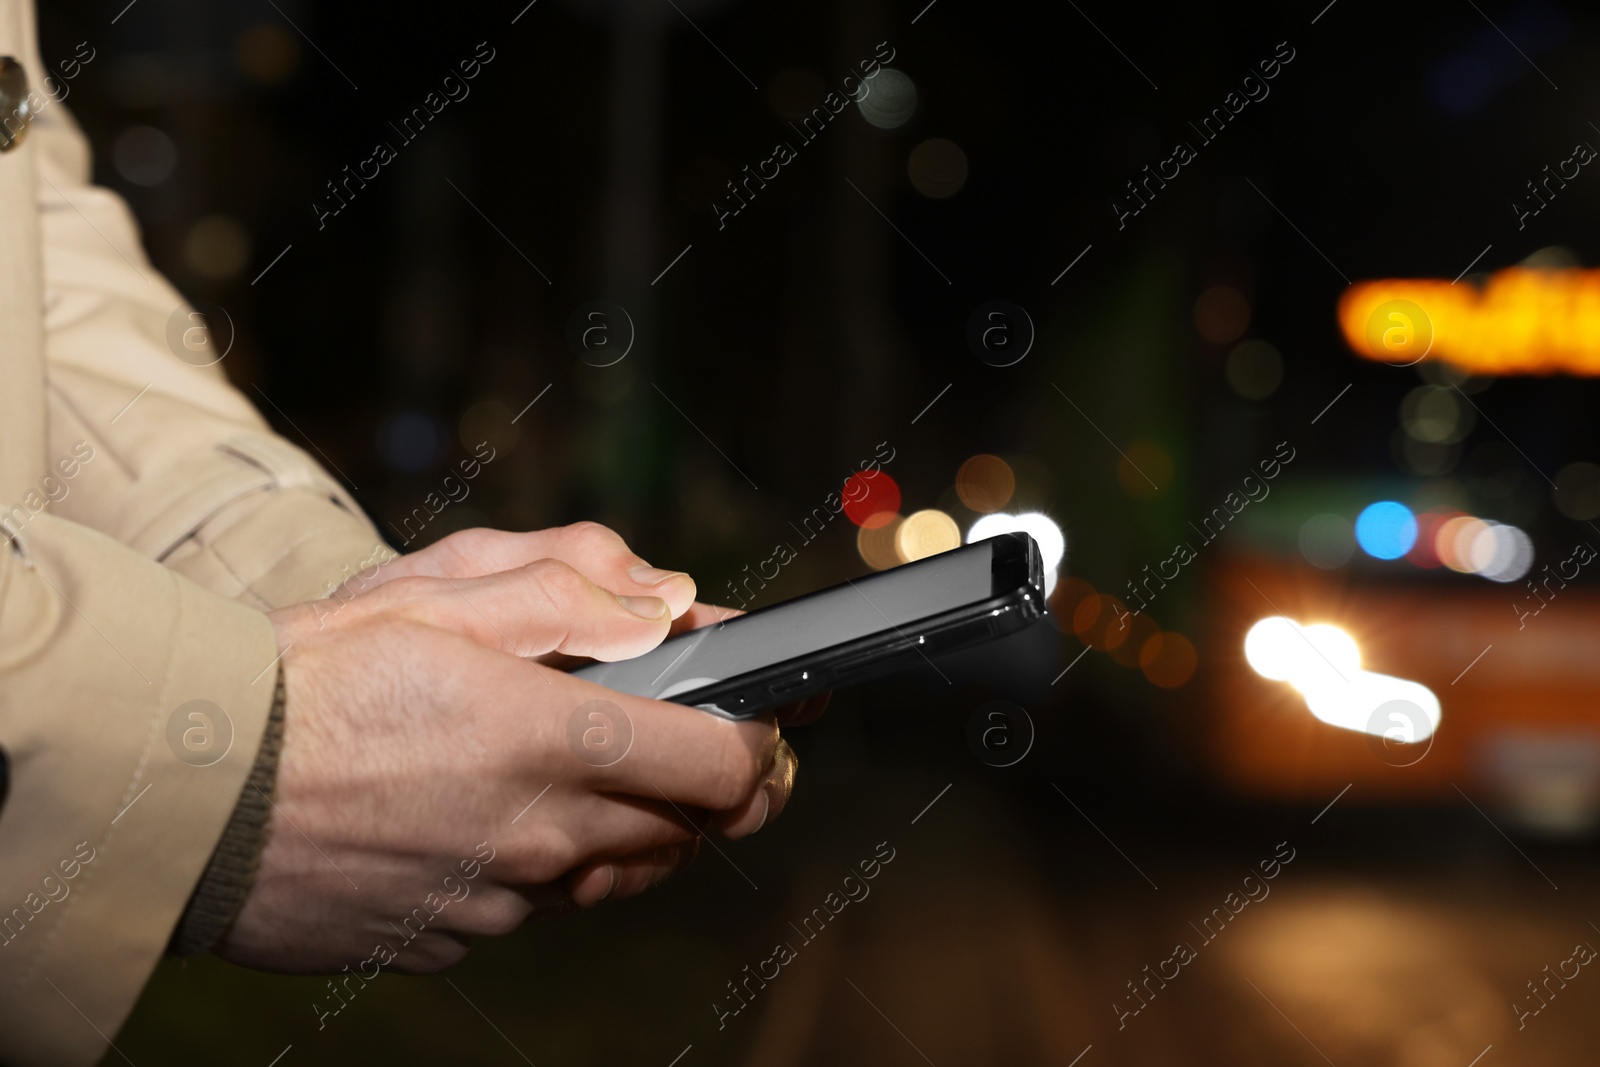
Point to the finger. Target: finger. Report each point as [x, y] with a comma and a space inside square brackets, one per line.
[597, 552]
[629, 876]
[582, 829]
[548, 900]
[544, 606]
[806, 711]
[769, 798]
[700, 615]
[492, 911]
[669, 751]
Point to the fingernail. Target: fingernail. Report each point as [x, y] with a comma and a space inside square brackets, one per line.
[616, 877]
[766, 808]
[666, 861]
[645, 574]
[646, 607]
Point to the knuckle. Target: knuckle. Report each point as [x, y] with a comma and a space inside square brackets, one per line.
[471, 541]
[594, 533]
[544, 859]
[556, 578]
[498, 914]
[460, 546]
[408, 588]
[555, 588]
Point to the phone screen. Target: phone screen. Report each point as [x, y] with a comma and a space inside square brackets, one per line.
[892, 599]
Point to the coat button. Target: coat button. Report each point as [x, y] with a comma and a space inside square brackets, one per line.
[16, 111]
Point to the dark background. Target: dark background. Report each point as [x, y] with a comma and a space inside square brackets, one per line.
[414, 324]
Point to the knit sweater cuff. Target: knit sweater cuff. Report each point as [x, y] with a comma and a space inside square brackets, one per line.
[232, 869]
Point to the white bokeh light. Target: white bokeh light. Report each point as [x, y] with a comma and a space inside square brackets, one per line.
[1323, 662]
[890, 101]
[1052, 542]
[1500, 553]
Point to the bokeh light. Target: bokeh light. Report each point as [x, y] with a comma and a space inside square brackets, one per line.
[1275, 647]
[926, 533]
[1436, 414]
[1327, 541]
[937, 168]
[1425, 553]
[410, 441]
[144, 155]
[892, 100]
[1386, 530]
[1133, 640]
[1254, 369]
[266, 53]
[877, 543]
[1323, 662]
[1127, 636]
[1052, 542]
[1086, 614]
[1096, 622]
[1522, 321]
[1453, 541]
[1168, 659]
[870, 498]
[985, 483]
[1501, 553]
[1577, 493]
[216, 247]
[1427, 458]
[488, 420]
[1221, 314]
[1335, 646]
[1064, 601]
[1307, 657]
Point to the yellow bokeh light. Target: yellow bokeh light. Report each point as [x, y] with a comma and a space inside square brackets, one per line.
[927, 533]
[1523, 321]
[876, 543]
[985, 483]
[1222, 314]
[1168, 659]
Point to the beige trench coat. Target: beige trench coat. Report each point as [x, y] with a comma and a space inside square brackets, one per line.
[141, 545]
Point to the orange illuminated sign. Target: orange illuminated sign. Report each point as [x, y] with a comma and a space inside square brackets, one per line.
[1522, 322]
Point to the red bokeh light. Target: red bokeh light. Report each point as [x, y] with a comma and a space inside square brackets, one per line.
[871, 499]
[1425, 552]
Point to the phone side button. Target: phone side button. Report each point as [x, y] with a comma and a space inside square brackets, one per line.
[880, 659]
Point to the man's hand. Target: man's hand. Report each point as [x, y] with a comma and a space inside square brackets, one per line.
[595, 551]
[418, 726]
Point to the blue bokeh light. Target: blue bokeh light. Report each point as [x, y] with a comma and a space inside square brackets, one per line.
[411, 441]
[1386, 530]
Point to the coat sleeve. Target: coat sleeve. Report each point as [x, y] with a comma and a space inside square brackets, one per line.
[132, 645]
[132, 702]
[184, 470]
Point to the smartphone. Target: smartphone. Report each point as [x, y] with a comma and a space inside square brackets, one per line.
[882, 624]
